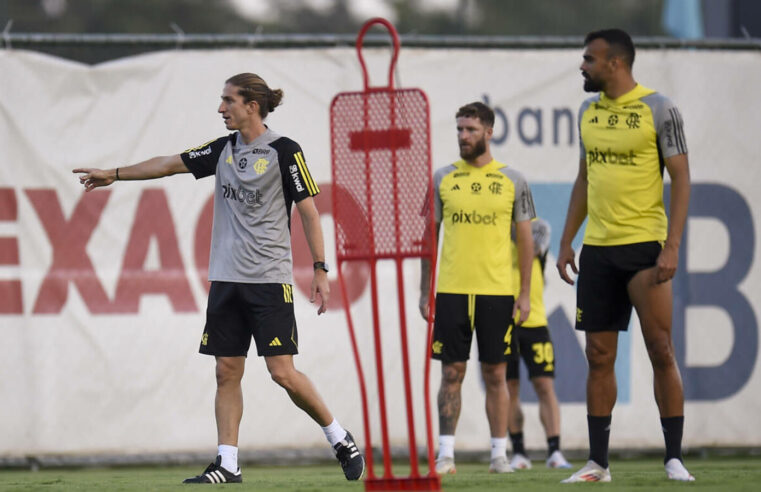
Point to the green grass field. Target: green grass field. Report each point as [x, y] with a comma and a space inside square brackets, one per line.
[723, 474]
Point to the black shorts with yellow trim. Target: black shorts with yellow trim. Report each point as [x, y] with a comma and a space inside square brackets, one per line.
[458, 316]
[602, 298]
[237, 311]
[536, 349]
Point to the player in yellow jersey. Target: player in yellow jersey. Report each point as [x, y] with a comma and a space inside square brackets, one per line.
[629, 133]
[534, 345]
[478, 200]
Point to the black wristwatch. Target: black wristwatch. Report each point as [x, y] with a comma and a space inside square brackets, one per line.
[321, 265]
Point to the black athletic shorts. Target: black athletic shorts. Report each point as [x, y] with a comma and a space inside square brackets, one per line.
[536, 349]
[602, 301]
[238, 311]
[459, 315]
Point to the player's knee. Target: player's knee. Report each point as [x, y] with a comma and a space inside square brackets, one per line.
[600, 357]
[453, 374]
[493, 375]
[661, 353]
[283, 377]
[513, 389]
[544, 388]
[228, 373]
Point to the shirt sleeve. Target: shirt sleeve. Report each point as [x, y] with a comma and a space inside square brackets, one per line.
[297, 180]
[202, 160]
[669, 127]
[540, 230]
[523, 206]
[437, 204]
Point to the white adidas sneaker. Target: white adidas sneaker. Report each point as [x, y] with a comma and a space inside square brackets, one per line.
[445, 465]
[675, 470]
[591, 472]
[500, 465]
[520, 462]
[557, 460]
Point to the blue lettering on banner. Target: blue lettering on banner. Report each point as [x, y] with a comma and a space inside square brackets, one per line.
[530, 125]
[718, 289]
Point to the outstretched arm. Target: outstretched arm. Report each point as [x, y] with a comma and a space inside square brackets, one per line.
[156, 167]
[577, 212]
[310, 219]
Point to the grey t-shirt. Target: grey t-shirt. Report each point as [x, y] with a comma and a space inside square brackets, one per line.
[256, 184]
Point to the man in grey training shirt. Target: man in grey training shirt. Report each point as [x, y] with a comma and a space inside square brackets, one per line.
[259, 175]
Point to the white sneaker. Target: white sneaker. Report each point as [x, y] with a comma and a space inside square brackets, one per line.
[592, 472]
[675, 470]
[557, 460]
[500, 465]
[520, 462]
[445, 465]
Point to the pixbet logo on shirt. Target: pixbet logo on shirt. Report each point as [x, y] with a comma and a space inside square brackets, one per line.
[240, 194]
[474, 217]
[597, 156]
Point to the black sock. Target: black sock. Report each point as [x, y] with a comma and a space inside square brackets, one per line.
[517, 440]
[672, 434]
[599, 436]
[553, 444]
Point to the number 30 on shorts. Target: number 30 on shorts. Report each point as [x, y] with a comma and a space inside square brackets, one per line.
[543, 353]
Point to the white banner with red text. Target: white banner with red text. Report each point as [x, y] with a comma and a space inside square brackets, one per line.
[103, 294]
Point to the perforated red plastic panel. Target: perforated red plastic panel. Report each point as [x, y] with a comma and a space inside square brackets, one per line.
[381, 174]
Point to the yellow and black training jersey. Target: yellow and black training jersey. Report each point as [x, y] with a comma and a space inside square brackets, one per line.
[624, 142]
[477, 206]
[540, 231]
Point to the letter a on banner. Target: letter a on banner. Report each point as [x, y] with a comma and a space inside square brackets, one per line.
[381, 153]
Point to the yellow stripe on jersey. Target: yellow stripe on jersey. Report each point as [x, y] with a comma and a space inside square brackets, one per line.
[199, 147]
[311, 185]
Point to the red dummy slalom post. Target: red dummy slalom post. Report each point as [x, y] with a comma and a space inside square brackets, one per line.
[382, 210]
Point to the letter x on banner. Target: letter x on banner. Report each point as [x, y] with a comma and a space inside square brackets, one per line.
[382, 210]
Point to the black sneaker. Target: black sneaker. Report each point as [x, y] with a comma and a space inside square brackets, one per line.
[352, 461]
[214, 473]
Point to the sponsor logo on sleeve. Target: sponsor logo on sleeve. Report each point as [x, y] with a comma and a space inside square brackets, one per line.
[668, 128]
[198, 153]
[294, 169]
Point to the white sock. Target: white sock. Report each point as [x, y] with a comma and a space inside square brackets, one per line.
[229, 456]
[446, 446]
[334, 433]
[498, 447]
